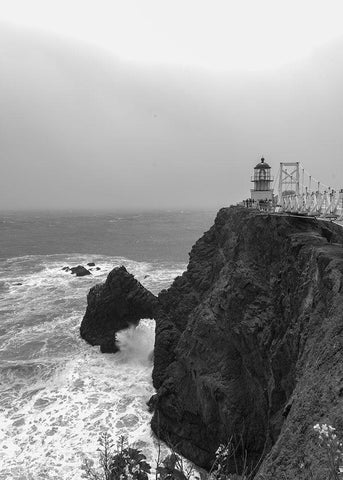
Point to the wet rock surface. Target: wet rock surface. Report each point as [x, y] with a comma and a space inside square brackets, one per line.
[80, 271]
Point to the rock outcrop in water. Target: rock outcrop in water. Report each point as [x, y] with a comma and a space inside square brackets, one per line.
[115, 305]
[249, 343]
[80, 271]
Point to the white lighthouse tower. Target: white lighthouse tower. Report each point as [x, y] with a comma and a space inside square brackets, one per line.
[262, 181]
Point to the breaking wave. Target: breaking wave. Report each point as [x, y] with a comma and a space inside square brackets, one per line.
[57, 392]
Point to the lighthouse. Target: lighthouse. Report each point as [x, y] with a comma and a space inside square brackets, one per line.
[262, 181]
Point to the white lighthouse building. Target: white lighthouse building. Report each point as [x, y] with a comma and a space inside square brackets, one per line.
[262, 181]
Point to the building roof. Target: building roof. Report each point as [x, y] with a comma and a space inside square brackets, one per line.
[262, 165]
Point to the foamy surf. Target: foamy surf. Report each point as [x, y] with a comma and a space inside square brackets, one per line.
[57, 392]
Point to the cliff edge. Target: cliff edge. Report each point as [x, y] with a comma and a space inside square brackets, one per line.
[249, 342]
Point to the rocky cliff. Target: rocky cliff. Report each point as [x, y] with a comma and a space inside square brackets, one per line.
[249, 342]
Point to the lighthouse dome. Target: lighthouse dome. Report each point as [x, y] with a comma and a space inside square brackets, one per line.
[262, 165]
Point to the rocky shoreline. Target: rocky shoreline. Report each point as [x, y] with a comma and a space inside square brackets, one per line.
[249, 340]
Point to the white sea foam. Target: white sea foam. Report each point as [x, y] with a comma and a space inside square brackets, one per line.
[57, 392]
[58, 409]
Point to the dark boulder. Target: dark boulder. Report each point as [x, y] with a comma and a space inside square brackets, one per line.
[91, 264]
[115, 305]
[66, 269]
[80, 271]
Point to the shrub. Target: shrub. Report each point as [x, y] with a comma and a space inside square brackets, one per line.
[172, 468]
[123, 462]
[231, 456]
[117, 463]
[333, 448]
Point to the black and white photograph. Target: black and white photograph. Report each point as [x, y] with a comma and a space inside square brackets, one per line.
[171, 240]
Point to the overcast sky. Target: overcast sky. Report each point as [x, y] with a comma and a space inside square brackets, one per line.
[164, 104]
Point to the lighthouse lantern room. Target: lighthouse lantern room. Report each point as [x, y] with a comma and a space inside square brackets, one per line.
[262, 181]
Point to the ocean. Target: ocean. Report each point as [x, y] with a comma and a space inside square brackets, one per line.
[57, 393]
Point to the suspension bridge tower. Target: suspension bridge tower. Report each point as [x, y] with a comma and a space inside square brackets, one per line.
[262, 181]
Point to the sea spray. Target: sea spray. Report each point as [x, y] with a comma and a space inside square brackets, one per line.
[136, 343]
[57, 393]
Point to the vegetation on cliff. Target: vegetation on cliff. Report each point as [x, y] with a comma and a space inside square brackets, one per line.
[126, 462]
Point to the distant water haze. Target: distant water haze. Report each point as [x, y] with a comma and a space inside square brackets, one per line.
[80, 128]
